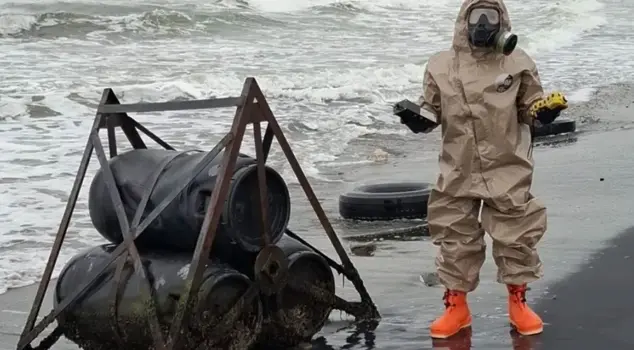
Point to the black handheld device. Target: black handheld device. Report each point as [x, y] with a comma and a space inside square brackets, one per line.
[410, 114]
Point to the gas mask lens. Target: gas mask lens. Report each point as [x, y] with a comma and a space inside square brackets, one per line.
[484, 31]
[491, 16]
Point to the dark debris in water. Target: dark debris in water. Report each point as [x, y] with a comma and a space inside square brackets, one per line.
[363, 249]
[430, 279]
[556, 140]
[400, 234]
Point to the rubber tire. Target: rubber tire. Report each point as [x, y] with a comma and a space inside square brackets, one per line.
[386, 201]
[559, 126]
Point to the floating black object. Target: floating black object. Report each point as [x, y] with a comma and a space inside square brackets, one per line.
[178, 226]
[410, 115]
[114, 312]
[559, 126]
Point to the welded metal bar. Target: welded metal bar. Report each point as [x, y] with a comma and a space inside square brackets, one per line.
[49, 340]
[27, 335]
[171, 105]
[121, 120]
[121, 248]
[151, 135]
[262, 188]
[357, 309]
[112, 137]
[118, 286]
[266, 142]
[176, 191]
[351, 270]
[128, 238]
[310, 194]
[335, 265]
[148, 189]
[33, 332]
[129, 129]
[212, 217]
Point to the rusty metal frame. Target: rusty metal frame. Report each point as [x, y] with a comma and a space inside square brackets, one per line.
[252, 108]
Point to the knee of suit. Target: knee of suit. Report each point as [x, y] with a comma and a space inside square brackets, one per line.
[454, 251]
[453, 218]
[519, 229]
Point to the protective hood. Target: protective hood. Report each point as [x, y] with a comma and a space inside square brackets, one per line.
[461, 31]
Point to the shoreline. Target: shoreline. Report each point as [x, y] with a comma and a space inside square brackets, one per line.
[585, 214]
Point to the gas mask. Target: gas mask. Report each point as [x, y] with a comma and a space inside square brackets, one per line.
[484, 31]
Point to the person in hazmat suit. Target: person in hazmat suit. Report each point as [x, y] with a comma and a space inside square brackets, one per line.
[486, 95]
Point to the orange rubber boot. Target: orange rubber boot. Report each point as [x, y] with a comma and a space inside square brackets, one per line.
[523, 319]
[456, 317]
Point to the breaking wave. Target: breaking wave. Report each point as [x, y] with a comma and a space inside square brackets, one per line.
[156, 21]
[67, 19]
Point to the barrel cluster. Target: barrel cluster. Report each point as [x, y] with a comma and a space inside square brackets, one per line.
[114, 313]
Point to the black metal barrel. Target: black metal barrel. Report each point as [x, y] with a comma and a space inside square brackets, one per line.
[178, 226]
[113, 314]
[293, 316]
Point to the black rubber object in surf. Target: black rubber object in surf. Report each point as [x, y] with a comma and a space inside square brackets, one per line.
[559, 126]
[386, 201]
[178, 226]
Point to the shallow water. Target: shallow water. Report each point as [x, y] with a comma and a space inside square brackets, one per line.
[584, 180]
[330, 69]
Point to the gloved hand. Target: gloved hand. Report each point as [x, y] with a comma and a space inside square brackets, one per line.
[418, 125]
[416, 119]
[548, 109]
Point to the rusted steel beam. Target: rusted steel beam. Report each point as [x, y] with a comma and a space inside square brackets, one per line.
[266, 142]
[252, 108]
[333, 264]
[351, 271]
[112, 137]
[212, 218]
[31, 333]
[27, 335]
[263, 191]
[151, 135]
[128, 240]
[123, 121]
[171, 105]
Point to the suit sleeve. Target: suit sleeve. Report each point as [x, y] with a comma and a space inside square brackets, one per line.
[429, 101]
[530, 91]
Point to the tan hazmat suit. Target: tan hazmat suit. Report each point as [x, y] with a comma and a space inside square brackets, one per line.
[481, 98]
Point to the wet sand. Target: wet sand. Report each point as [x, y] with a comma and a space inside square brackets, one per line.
[593, 308]
[586, 182]
[578, 301]
[14, 308]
